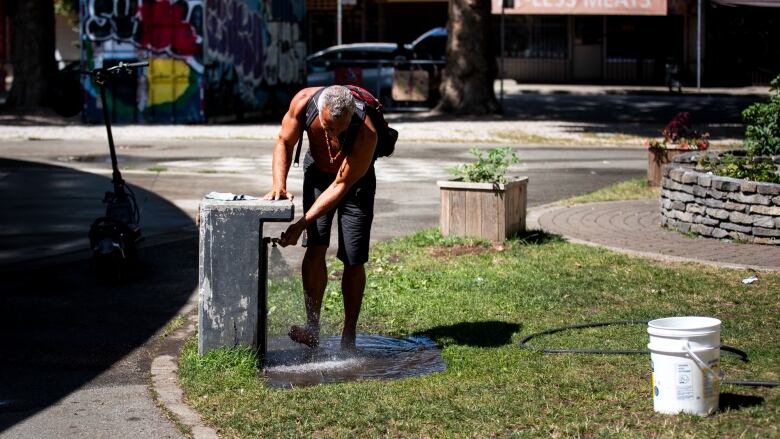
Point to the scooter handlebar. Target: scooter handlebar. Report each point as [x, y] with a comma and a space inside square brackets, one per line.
[131, 65]
[117, 69]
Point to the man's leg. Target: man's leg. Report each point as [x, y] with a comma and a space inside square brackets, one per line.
[315, 279]
[356, 213]
[353, 284]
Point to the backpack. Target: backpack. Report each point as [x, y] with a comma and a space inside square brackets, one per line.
[366, 104]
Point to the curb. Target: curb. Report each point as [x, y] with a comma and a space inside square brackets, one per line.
[165, 382]
[532, 221]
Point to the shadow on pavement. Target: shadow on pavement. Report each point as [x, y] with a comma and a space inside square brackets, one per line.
[599, 113]
[47, 210]
[61, 327]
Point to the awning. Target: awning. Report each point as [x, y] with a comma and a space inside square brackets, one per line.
[580, 7]
[756, 3]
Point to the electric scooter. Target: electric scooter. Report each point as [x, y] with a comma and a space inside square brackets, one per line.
[114, 236]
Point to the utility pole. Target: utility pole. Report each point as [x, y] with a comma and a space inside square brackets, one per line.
[338, 22]
[698, 45]
[501, 93]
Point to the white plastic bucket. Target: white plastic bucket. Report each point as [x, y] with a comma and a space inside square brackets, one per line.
[685, 358]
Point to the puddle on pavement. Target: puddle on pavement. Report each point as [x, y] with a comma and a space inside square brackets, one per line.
[289, 364]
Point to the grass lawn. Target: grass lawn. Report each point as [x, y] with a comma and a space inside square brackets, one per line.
[636, 189]
[476, 301]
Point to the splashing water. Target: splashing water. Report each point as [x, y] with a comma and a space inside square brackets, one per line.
[289, 364]
[320, 366]
[278, 268]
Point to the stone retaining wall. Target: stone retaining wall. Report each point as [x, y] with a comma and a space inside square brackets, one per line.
[719, 207]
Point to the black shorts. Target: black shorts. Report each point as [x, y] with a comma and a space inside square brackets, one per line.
[356, 212]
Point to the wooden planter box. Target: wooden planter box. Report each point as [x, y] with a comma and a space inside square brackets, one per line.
[493, 212]
[656, 159]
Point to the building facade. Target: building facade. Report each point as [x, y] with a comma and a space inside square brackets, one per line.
[633, 41]
[395, 21]
[588, 41]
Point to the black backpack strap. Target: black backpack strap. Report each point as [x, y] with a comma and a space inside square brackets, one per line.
[311, 113]
[350, 135]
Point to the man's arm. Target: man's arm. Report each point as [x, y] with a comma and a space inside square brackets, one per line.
[352, 169]
[292, 129]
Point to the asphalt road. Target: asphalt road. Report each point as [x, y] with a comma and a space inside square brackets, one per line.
[52, 200]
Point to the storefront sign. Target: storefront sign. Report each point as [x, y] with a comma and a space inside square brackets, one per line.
[581, 7]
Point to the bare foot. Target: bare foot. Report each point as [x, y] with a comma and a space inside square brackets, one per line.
[305, 335]
[348, 344]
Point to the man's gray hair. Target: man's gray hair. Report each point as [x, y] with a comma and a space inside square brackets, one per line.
[338, 100]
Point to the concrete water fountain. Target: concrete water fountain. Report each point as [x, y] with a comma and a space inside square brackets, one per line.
[233, 308]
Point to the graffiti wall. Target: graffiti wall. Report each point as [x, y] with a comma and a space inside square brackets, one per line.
[169, 34]
[255, 55]
[208, 58]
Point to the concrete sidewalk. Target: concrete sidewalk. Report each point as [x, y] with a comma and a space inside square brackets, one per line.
[560, 114]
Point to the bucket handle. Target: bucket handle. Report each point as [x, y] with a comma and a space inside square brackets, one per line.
[719, 375]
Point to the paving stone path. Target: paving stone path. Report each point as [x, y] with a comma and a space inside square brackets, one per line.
[634, 227]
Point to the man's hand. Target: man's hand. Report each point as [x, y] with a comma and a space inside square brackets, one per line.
[279, 194]
[291, 235]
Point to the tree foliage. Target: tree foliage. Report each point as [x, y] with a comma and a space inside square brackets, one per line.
[68, 8]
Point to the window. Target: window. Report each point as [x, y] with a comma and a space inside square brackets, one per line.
[533, 36]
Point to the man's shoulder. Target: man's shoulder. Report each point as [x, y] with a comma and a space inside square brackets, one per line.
[301, 99]
[307, 93]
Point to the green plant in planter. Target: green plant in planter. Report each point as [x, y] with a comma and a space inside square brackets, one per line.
[679, 133]
[762, 135]
[487, 169]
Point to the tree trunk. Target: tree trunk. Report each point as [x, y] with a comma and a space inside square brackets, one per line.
[467, 86]
[32, 52]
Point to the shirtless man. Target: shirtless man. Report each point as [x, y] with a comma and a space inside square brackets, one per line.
[338, 176]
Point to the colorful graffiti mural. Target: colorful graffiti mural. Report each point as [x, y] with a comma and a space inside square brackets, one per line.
[169, 34]
[255, 54]
[213, 58]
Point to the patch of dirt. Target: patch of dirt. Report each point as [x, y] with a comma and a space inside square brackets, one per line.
[336, 275]
[460, 250]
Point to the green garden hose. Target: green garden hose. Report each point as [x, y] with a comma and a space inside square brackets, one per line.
[523, 345]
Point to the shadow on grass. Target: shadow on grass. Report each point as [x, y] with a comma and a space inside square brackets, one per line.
[733, 401]
[536, 237]
[489, 334]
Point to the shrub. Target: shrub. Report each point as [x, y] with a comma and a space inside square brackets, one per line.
[490, 169]
[761, 169]
[762, 135]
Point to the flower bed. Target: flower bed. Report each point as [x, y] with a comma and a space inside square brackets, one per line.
[719, 207]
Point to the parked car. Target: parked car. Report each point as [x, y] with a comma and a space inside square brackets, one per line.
[430, 45]
[372, 65]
